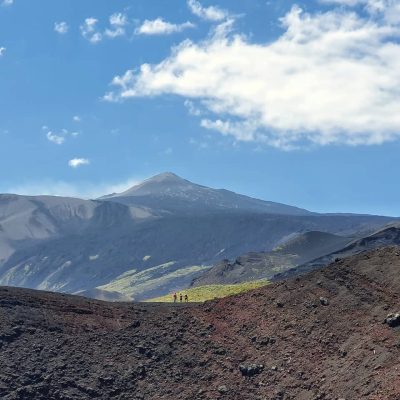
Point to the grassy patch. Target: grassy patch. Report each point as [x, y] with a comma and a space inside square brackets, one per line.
[134, 284]
[210, 292]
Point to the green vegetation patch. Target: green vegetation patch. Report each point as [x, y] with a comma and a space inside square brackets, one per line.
[210, 292]
[132, 283]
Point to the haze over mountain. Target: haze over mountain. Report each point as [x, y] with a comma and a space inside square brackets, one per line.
[153, 238]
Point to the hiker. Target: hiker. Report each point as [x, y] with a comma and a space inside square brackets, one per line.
[186, 298]
[181, 297]
[175, 297]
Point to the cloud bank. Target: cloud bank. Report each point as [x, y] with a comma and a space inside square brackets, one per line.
[331, 78]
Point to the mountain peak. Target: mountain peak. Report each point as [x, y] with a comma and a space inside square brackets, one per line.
[165, 176]
[169, 192]
[165, 182]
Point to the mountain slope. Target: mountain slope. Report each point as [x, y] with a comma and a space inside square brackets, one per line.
[25, 219]
[252, 266]
[278, 342]
[385, 237]
[113, 243]
[73, 245]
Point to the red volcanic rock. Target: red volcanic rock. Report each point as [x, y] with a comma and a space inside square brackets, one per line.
[56, 346]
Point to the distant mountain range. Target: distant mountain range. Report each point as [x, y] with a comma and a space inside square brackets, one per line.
[155, 237]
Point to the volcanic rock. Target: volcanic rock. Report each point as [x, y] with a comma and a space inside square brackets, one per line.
[98, 351]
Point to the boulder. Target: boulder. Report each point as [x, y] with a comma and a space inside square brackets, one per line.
[250, 369]
[324, 301]
[393, 320]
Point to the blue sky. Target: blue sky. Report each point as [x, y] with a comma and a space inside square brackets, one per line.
[295, 102]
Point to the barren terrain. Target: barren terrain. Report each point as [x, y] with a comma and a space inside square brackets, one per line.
[320, 336]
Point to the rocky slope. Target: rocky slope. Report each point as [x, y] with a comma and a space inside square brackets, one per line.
[295, 251]
[384, 237]
[321, 336]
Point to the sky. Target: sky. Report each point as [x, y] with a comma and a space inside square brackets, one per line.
[290, 101]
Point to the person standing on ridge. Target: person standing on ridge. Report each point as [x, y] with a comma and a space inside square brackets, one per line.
[181, 297]
[186, 298]
[175, 297]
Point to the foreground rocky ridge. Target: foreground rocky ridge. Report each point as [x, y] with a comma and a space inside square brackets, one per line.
[321, 336]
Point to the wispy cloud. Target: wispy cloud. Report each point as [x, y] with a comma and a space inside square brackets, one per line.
[61, 27]
[7, 3]
[160, 27]
[211, 13]
[2, 51]
[78, 162]
[118, 22]
[58, 137]
[331, 78]
[389, 9]
[117, 27]
[54, 138]
[192, 109]
[76, 118]
[85, 190]
[89, 30]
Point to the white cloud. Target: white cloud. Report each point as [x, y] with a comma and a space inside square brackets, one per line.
[2, 51]
[89, 30]
[85, 190]
[118, 21]
[192, 109]
[77, 162]
[76, 118]
[58, 137]
[55, 138]
[7, 3]
[211, 13]
[388, 9]
[160, 27]
[113, 33]
[61, 28]
[331, 77]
